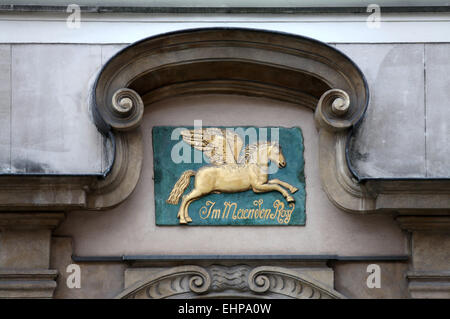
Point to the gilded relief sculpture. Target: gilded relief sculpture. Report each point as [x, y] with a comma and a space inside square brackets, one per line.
[233, 169]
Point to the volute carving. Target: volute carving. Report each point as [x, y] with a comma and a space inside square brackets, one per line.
[250, 62]
[239, 280]
[126, 110]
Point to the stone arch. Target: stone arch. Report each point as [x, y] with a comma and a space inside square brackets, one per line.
[233, 61]
[224, 60]
[224, 282]
[249, 62]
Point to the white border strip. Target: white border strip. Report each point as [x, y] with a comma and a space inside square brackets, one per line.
[128, 28]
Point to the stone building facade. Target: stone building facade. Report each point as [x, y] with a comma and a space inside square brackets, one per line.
[79, 102]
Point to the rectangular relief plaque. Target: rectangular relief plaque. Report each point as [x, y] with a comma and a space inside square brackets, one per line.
[229, 176]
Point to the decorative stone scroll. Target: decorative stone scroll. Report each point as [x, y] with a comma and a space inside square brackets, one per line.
[331, 110]
[126, 110]
[232, 281]
[248, 62]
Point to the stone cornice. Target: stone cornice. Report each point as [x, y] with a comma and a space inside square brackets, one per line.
[216, 280]
[249, 62]
[250, 8]
[27, 283]
[429, 284]
[424, 223]
[32, 220]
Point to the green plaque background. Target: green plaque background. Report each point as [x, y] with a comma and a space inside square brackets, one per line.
[166, 174]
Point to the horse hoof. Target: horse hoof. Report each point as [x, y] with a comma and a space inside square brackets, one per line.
[293, 189]
[188, 219]
[290, 199]
[183, 222]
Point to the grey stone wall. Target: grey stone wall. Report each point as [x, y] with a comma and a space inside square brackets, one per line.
[46, 128]
[350, 278]
[45, 125]
[405, 132]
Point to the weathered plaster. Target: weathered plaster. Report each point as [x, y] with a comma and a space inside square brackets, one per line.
[351, 280]
[130, 228]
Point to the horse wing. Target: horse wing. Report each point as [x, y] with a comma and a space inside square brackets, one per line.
[221, 146]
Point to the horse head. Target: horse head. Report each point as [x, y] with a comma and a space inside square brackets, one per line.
[262, 153]
[275, 154]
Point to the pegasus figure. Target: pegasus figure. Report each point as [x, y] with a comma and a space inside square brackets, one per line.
[232, 169]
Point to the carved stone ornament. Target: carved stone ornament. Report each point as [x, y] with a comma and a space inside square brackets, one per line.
[249, 62]
[238, 167]
[234, 281]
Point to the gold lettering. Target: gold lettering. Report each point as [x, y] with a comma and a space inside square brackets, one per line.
[227, 208]
[205, 211]
[281, 213]
[215, 213]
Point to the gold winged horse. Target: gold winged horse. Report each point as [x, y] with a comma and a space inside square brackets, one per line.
[230, 171]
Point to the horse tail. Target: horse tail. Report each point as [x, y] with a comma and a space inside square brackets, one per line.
[179, 187]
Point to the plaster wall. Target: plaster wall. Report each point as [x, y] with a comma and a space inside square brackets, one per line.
[47, 127]
[130, 228]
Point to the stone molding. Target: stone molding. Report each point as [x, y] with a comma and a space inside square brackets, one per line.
[66, 193]
[425, 223]
[27, 220]
[427, 284]
[25, 248]
[240, 280]
[27, 283]
[248, 62]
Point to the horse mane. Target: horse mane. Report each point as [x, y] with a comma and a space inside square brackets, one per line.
[251, 150]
